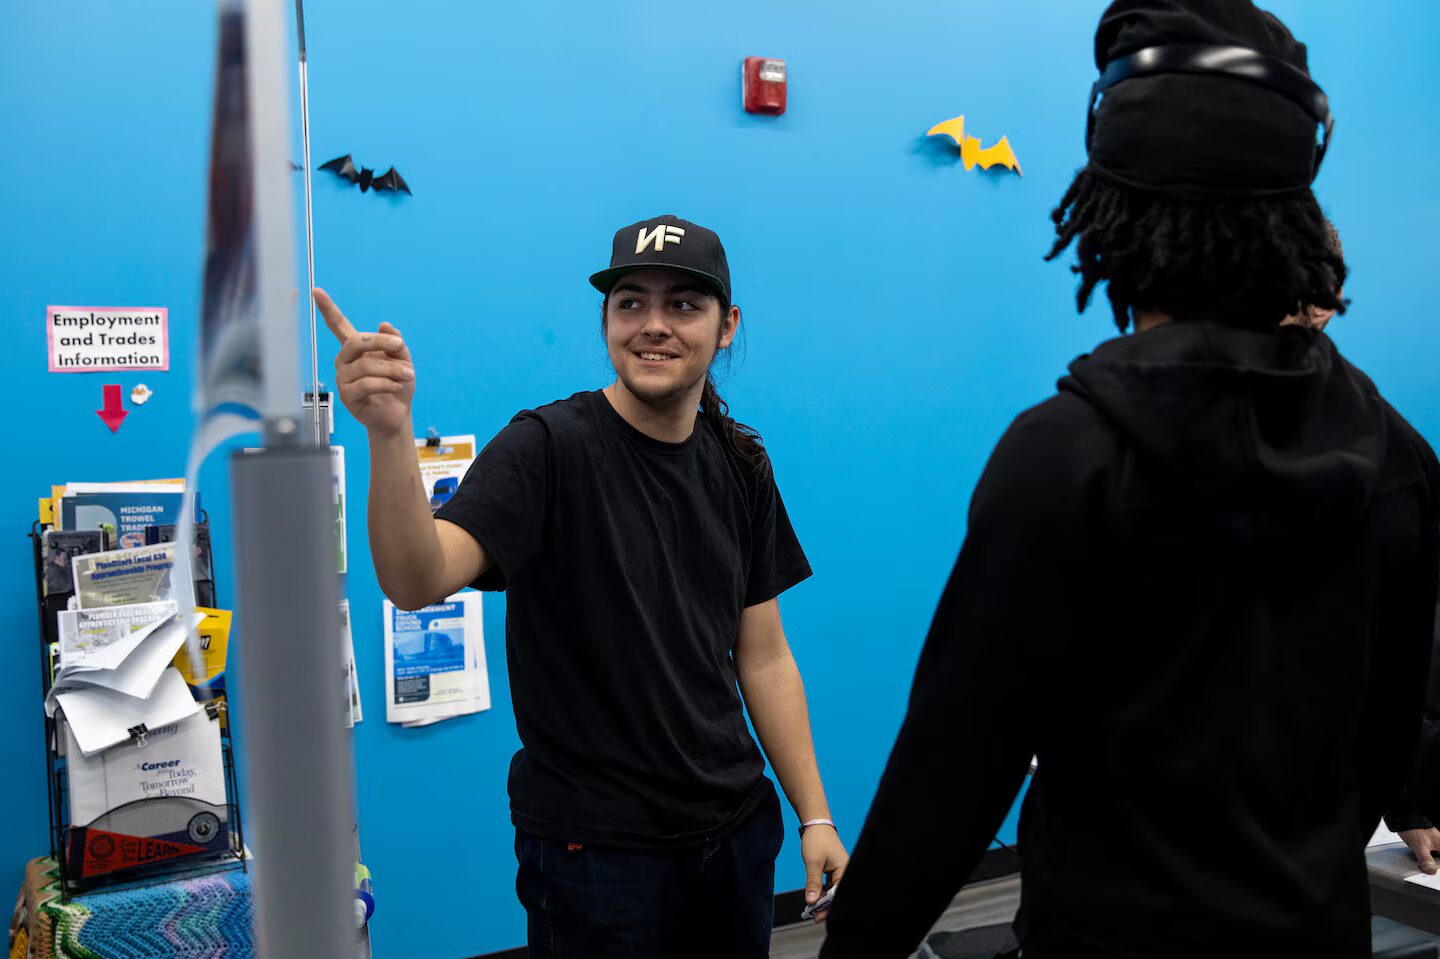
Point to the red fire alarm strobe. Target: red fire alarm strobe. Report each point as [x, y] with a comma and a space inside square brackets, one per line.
[764, 85]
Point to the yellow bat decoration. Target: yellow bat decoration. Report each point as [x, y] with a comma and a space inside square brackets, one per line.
[971, 153]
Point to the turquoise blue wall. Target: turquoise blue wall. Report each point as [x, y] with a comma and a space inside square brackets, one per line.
[898, 313]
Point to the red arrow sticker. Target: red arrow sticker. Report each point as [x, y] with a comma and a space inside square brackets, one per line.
[113, 414]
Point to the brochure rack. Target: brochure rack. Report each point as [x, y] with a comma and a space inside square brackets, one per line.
[56, 779]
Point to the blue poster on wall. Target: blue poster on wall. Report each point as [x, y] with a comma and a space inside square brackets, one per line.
[435, 661]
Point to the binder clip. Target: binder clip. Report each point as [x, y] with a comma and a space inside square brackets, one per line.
[139, 734]
[432, 440]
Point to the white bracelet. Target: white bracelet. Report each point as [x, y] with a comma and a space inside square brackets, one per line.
[818, 822]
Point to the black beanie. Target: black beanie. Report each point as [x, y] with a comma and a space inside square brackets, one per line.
[1187, 134]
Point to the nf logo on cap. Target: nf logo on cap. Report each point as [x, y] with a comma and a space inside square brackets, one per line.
[667, 243]
[657, 237]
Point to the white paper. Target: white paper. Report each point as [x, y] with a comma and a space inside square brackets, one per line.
[159, 486]
[182, 759]
[142, 669]
[1420, 879]
[353, 711]
[102, 638]
[337, 495]
[101, 717]
[130, 338]
[1383, 836]
[435, 661]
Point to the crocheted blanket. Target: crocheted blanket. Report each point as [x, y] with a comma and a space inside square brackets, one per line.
[200, 917]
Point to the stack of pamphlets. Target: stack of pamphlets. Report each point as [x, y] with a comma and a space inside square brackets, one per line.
[129, 662]
[123, 624]
[435, 661]
[121, 510]
[116, 648]
[142, 803]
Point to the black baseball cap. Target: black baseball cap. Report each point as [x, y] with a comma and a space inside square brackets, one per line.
[667, 242]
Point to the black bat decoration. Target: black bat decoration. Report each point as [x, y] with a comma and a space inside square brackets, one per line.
[365, 178]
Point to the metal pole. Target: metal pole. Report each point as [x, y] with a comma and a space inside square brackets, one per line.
[321, 435]
[300, 777]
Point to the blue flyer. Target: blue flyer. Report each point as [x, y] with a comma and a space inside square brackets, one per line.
[435, 661]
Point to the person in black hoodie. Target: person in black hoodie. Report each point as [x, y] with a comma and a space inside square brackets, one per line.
[1198, 583]
[1404, 816]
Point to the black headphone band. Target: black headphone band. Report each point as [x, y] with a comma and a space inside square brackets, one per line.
[1241, 63]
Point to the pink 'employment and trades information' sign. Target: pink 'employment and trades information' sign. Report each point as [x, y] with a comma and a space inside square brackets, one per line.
[106, 339]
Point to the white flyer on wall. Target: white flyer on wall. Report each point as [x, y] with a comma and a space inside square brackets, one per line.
[352, 712]
[435, 661]
[337, 494]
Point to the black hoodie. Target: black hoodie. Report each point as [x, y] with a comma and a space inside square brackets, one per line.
[1199, 584]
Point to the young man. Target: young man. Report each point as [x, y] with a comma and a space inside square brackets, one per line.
[1198, 583]
[643, 546]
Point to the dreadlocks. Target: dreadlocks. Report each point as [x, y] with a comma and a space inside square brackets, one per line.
[1243, 260]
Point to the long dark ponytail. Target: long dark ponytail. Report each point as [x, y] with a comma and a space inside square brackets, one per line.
[742, 440]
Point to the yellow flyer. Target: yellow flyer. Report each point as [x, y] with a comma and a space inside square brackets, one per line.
[202, 660]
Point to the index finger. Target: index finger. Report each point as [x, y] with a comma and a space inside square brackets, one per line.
[334, 319]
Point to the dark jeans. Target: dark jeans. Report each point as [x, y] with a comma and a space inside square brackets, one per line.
[592, 902]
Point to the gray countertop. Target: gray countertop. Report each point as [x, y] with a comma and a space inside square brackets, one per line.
[1394, 898]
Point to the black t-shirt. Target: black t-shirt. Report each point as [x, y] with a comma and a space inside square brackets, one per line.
[628, 562]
